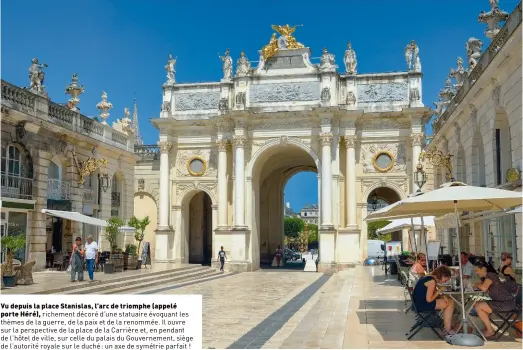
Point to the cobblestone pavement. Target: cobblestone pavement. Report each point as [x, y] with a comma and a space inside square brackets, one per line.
[356, 308]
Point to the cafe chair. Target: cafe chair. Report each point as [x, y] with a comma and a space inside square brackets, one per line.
[508, 319]
[425, 319]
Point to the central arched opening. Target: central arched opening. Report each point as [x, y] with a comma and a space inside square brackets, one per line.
[271, 174]
[199, 229]
[380, 198]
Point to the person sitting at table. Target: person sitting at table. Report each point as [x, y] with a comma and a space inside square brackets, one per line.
[427, 297]
[508, 272]
[502, 298]
[418, 269]
[466, 267]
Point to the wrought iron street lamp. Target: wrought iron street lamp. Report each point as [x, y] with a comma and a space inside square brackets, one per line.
[104, 182]
[374, 202]
[420, 176]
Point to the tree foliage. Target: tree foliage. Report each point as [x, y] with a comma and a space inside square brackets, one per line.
[313, 233]
[292, 227]
[372, 227]
[112, 230]
[140, 226]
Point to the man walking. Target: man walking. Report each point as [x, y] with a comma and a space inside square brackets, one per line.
[222, 256]
[91, 256]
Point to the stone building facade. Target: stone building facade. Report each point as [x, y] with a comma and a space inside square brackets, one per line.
[226, 150]
[56, 159]
[479, 122]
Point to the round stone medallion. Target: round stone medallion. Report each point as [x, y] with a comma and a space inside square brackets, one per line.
[383, 161]
[196, 166]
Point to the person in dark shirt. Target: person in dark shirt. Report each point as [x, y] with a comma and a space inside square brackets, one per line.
[426, 295]
[222, 256]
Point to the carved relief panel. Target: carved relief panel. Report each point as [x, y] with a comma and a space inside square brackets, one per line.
[383, 157]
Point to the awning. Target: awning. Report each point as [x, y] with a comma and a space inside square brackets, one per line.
[75, 216]
[400, 224]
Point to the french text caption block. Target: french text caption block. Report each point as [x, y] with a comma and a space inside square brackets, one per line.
[101, 322]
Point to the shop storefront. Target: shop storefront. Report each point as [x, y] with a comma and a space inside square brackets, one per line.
[14, 221]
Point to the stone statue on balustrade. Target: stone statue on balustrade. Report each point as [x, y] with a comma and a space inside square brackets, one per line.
[473, 48]
[458, 74]
[37, 75]
[327, 63]
[412, 57]
[350, 60]
[170, 69]
[227, 65]
[243, 66]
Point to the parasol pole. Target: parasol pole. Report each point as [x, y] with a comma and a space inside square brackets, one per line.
[424, 236]
[464, 339]
[413, 235]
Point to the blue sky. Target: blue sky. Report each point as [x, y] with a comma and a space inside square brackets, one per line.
[121, 46]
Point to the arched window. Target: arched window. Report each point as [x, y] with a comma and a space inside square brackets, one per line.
[55, 171]
[11, 161]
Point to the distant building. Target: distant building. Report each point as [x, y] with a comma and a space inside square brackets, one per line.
[288, 212]
[309, 213]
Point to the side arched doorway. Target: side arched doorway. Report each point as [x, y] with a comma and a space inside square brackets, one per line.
[198, 228]
[380, 198]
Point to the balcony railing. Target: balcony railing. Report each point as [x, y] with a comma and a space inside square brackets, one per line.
[58, 190]
[115, 199]
[16, 187]
[40, 107]
[88, 195]
[147, 152]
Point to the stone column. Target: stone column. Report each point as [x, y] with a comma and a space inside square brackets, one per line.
[326, 180]
[165, 148]
[417, 142]
[350, 181]
[222, 182]
[239, 180]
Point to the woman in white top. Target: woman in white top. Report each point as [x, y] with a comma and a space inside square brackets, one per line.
[418, 269]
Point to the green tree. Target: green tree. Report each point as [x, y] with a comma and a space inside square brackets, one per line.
[140, 226]
[112, 230]
[313, 233]
[372, 227]
[292, 227]
[12, 244]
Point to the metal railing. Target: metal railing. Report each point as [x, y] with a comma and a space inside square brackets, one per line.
[88, 195]
[25, 101]
[512, 23]
[59, 190]
[14, 186]
[147, 152]
[115, 199]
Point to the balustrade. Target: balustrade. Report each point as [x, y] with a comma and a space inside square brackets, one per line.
[147, 152]
[59, 190]
[14, 186]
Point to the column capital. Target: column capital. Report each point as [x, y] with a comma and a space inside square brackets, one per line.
[239, 141]
[326, 138]
[165, 146]
[350, 141]
[417, 139]
[222, 145]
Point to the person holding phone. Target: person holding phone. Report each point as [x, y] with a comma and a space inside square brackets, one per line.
[77, 260]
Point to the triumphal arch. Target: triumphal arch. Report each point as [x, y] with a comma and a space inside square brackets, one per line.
[227, 149]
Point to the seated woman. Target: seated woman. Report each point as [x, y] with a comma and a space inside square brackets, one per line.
[508, 272]
[418, 269]
[427, 297]
[502, 299]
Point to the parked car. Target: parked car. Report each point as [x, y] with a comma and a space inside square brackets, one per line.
[289, 254]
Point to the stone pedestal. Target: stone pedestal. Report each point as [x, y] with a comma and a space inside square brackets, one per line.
[234, 241]
[164, 246]
[327, 256]
[348, 251]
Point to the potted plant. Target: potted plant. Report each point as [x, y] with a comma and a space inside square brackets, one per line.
[12, 245]
[130, 257]
[140, 226]
[111, 232]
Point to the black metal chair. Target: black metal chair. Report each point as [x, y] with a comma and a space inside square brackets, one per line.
[507, 320]
[425, 319]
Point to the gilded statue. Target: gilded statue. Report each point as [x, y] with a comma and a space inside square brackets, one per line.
[285, 42]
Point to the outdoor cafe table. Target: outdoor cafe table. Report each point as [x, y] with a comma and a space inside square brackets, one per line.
[471, 298]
